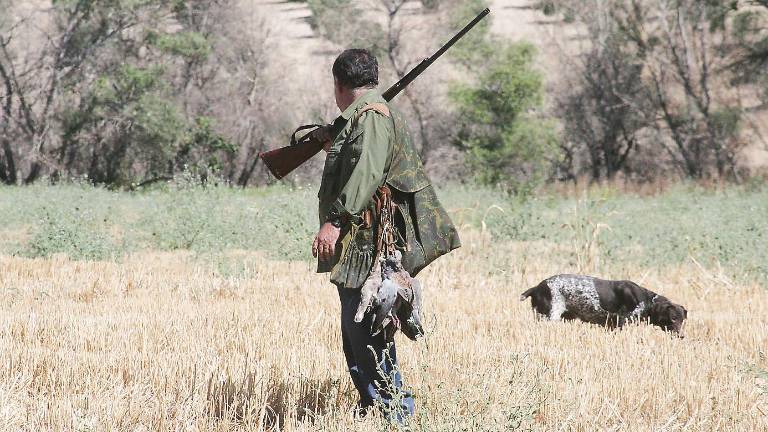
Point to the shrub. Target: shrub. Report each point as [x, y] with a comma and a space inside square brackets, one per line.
[72, 231]
[508, 144]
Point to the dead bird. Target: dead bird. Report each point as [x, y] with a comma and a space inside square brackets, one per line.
[394, 299]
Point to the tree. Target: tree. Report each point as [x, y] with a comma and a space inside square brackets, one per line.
[132, 91]
[602, 102]
[383, 29]
[508, 145]
[656, 69]
[750, 29]
[682, 58]
[33, 88]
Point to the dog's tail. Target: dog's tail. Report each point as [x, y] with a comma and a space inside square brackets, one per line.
[527, 293]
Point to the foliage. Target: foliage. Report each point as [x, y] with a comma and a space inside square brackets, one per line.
[72, 233]
[382, 29]
[128, 117]
[604, 109]
[192, 45]
[474, 47]
[74, 224]
[713, 227]
[750, 63]
[128, 91]
[508, 145]
[343, 22]
[652, 84]
[212, 219]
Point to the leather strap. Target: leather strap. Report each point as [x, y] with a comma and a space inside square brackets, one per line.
[379, 107]
[386, 233]
[306, 136]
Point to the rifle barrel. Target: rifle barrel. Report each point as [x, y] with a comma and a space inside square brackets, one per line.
[424, 64]
[282, 161]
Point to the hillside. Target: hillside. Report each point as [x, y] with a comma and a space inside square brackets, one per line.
[256, 100]
[302, 54]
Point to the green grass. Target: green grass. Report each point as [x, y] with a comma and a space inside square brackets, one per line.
[727, 227]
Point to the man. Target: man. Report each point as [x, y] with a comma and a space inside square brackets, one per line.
[373, 149]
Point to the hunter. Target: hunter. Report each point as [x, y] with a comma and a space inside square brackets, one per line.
[372, 152]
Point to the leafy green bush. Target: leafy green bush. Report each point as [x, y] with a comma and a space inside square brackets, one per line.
[75, 234]
[342, 22]
[507, 144]
[210, 219]
[74, 221]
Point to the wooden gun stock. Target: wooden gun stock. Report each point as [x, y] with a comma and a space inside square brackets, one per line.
[282, 161]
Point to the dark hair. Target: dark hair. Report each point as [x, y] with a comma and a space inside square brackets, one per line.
[355, 68]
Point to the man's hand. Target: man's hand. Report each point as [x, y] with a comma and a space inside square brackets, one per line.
[323, 134]
[324, 245]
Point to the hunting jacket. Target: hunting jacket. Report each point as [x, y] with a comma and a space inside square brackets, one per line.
[375, 148]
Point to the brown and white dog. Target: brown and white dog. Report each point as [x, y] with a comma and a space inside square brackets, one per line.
[605, 302]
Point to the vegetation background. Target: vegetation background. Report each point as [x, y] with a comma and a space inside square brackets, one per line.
[131, 92]
[147, 288]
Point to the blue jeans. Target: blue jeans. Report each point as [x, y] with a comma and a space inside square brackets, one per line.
[361, 362]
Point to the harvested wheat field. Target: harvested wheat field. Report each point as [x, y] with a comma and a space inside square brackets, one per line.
[179, 339]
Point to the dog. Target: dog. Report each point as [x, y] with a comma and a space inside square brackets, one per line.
[604, 302]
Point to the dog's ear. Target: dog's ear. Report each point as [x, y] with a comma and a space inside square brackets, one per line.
[685, 312]
[657, 310]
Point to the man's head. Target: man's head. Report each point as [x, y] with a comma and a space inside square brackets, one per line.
[354, 71]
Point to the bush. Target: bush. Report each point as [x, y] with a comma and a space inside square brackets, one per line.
[212, 219]
[713, 227]
[508, 145]
[342, 22]
[72, 231]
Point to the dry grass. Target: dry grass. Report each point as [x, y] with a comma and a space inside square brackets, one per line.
[159, 342]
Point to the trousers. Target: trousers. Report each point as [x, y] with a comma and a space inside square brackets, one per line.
[372, 361]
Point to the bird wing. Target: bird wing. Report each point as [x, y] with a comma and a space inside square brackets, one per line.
[410, 312]
[368, 293]
[382, 305]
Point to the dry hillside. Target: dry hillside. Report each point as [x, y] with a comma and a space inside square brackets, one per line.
[299, 60]
[302, 54]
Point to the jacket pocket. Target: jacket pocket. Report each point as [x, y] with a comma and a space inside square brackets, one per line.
[356, 261]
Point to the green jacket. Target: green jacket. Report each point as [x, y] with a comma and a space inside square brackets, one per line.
[375, 147]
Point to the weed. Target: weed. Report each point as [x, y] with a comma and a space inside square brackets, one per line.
[72, 231]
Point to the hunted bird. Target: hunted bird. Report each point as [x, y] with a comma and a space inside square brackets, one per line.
[394, 299]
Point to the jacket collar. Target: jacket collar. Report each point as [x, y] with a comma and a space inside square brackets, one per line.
[368, 97]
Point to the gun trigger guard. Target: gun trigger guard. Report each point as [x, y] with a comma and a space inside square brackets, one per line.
[306, 136]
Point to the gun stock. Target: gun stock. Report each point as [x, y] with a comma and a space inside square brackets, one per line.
[282, 161]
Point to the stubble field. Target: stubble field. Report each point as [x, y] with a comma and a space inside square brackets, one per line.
[197, 309]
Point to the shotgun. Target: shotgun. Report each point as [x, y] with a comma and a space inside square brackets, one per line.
[283, 160]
